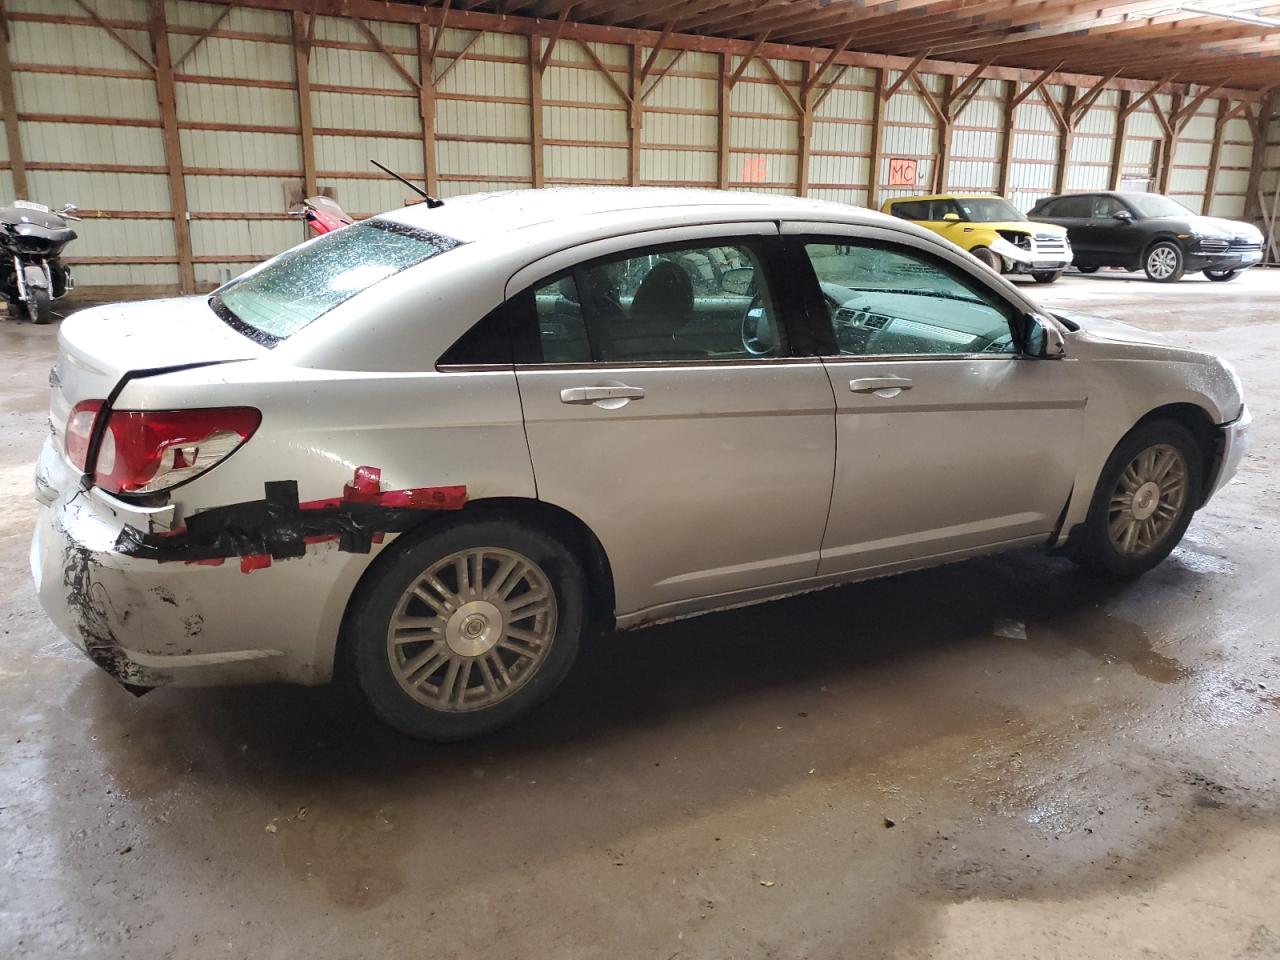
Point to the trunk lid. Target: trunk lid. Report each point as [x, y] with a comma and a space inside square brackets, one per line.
[98, 346]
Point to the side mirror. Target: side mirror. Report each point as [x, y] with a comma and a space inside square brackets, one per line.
[951, 217]
[1044, 339]
[1124, 216]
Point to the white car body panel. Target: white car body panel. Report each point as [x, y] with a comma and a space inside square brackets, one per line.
[713, 490]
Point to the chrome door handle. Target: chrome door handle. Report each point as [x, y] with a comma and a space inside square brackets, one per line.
[872, 384]
[596, 394]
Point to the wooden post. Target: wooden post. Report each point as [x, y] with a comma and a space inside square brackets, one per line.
[805, 130]
[427, 107]
[1066, 140]
[725, 110]
[1006, 143]
[1170, 145]
[635, 115]
[1260, 122]
[1215, 156]
[535, 109]
[9, 101]
[877, 141]
[302, 86]
[159, 30]
[1117, 144]
[946, 130]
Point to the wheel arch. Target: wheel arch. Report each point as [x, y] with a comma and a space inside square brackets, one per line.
[553, 520]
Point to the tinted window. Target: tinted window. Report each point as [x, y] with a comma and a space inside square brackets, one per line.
[911, 210]
[890, 300]
[277, 299]
[1078, 207]
[1104, 206]
[1155, 205]
[689, 303]
[989, 210]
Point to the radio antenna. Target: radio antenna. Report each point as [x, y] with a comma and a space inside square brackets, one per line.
[432, 202]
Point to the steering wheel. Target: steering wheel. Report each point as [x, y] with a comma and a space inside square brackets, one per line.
[755, 330]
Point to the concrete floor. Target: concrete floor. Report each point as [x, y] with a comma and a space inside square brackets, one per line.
[718, 788]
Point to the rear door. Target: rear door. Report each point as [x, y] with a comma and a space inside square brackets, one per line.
[947, 439]
[1076, 214]
[668, 406]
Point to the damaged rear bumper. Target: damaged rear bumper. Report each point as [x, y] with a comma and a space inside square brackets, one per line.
[149, 623]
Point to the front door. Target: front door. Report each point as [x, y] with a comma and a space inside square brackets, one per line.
[664, 407]
[947, 438]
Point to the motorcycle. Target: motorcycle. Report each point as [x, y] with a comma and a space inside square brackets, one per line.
[32, 275]
[322, 214]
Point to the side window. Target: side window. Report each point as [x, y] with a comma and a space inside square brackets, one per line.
[1076, 207]
[1106, 206]
[667, 303]
[885, 300]
[911, 210]
[562, 328]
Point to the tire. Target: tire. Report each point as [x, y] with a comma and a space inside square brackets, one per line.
[1046, 276]
[988, 258]
[1095, 549]
[474, 634]
[1222, 276]
[39, 306]
[1163, 262]
[1087, 269]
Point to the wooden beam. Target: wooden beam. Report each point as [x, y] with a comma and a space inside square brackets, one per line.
[9, 101]
[946, 130]
[962, 92]
[906, 75]
[805, 132]
[815, 77]
[203, 35]
[1183, 116]
[427, 108]
[657, 49]
[159, 30]
[661, 74]
[746, 60]
[826, 90]
[438, 35]
[1036, 84]
[877, 140]
[1151, 92]
[1087, 102]
[725, 105]
[555, 38]
[536, 60]
[1059, 117]
[782, 85]
[930, 101]
[93, 15]
[608, 74]
[1215, 157]
[1066, 139]
[1117, 142]
[636, 116]
[1260, 122]
[458, 57]
[302, 33]
[1006, 142]
[413, 82]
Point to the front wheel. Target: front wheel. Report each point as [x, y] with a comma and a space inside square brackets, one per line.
[1046, 276]
[468, 628]
[1144, 500]
[1222, 276]
[988, 257]
[39, 306]
[1163, 262]
[1087, 269]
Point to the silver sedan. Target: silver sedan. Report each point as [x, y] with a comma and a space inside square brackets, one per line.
[447, 446]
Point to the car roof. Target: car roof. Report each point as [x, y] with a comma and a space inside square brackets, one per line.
[482, 216]
[949, 196]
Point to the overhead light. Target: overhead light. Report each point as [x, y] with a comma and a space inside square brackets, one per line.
[1225, 15]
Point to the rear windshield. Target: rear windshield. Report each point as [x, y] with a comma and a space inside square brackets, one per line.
[277, 299]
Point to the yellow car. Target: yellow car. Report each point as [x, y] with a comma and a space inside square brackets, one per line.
[993, 230]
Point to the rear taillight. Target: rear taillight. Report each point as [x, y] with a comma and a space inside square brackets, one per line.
[144, 451]
[80, 429]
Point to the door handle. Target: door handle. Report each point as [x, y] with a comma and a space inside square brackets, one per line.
[596, 394]
[875, 384]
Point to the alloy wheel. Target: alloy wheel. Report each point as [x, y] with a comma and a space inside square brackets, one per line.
[472, 629]
[1162, 262]
[1148, 499]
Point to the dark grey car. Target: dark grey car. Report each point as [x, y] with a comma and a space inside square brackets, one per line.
[1150, 232]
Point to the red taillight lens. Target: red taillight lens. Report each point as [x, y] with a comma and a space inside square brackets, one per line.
[144, 451]
[80, 429]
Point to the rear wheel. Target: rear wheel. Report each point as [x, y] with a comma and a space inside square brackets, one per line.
[468, 628]
[989, 258]
[39, 306]
[1046, 276]
[1222, 276]
[1144, 500]
[1087, 269]
[1163, 262]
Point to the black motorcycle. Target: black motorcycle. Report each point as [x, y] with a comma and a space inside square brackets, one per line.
[31, 274]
